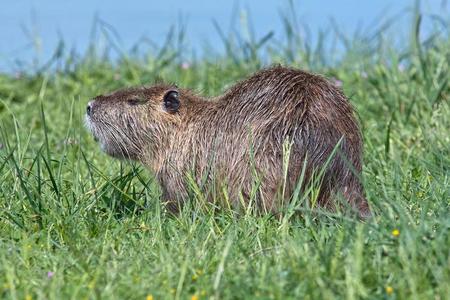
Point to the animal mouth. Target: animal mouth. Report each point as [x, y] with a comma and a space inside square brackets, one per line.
[100, 138]
[89, 124]
[109, 139]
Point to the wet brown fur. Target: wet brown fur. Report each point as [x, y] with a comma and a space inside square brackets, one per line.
[233, 138]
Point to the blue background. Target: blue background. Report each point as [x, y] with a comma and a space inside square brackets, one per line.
[32, 28]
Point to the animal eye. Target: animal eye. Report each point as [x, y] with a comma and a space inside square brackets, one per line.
[136, 101]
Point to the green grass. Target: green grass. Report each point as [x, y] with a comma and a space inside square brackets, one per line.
[97, 225]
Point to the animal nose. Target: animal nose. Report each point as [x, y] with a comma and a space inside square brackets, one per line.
[89, 108]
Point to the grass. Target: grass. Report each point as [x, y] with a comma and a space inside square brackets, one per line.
[75, 223]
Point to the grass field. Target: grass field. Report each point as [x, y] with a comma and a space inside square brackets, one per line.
[76, 224]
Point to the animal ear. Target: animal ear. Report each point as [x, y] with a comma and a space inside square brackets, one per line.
[171, 101]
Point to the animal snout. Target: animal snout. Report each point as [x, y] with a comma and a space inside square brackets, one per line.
[89, 108]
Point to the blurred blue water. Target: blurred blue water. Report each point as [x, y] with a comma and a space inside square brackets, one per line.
[31, 29]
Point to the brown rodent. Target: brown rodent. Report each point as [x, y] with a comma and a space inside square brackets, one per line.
[234, 143]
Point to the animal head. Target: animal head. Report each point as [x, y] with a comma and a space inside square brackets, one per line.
[129, 123]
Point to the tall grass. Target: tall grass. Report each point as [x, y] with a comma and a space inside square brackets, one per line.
[77, 224]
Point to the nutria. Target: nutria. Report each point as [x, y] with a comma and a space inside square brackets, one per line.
[236, 140]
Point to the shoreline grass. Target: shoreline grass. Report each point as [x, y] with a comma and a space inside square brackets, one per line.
[75, 223]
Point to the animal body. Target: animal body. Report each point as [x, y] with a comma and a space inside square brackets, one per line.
[253, 142]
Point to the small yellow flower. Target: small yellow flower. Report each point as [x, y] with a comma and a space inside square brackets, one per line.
[91, 284]
[28, 297]
[395, 233]
[144, 227]
[389, 290]
[149, 297]
[194, 297]
[197, 274]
